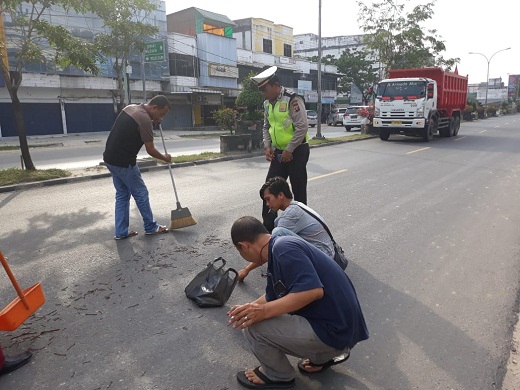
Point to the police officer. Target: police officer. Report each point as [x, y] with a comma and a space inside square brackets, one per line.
[285, 136]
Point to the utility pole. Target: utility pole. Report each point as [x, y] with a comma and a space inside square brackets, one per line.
[318, 124]
[487, 75]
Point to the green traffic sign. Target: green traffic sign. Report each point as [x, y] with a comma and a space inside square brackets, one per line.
[154, 51]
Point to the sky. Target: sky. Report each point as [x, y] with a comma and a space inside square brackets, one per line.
[464, 26]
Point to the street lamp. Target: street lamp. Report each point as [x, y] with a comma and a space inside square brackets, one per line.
[487, 77]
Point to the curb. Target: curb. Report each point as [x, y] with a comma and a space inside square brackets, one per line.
[145, 167]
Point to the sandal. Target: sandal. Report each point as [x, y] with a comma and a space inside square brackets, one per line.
[158, 230]
[324, 366]
[268, 383]
[130, 234]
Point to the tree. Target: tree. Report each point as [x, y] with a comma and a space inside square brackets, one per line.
[250, 98]
[358, 67]
[128, 34]
[32, 29]
[398, 38]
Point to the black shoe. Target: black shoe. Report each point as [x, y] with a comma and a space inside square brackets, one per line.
[14, 362]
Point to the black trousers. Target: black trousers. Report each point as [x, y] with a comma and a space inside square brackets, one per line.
[296, 171]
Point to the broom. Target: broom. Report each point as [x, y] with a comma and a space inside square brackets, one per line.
[181, 216]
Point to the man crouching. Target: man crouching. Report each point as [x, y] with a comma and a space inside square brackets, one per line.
[309, 310]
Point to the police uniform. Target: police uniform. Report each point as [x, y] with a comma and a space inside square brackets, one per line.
[285, 128]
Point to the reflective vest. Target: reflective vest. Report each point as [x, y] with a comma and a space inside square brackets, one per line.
[281, 128]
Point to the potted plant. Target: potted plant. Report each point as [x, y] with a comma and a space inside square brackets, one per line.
[492, 110]
[368, 115]
[226, 119]
[467, 113]
[250, 100]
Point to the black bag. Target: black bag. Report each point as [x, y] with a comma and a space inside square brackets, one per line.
[339, 255]
[212, 286]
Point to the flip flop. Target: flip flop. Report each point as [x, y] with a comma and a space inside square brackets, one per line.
[268, 383]
[158, 230]
[130, 234]
[324, 366]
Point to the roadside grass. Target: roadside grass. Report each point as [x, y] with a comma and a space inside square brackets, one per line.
[314, 141]
[11, 176]
[17, 147]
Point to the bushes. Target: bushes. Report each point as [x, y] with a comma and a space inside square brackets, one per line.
[225, 118]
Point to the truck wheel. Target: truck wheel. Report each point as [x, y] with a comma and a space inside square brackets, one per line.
[384, 134]
[457, 126]
[347, 128]
[428, 131]
[452, 127]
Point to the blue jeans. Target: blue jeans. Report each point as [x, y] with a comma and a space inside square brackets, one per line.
[128, 182]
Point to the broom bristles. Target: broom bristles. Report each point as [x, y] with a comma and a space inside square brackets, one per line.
[182, 222]
[181, 217]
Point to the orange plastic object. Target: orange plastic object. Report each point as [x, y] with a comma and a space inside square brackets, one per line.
[23, 306]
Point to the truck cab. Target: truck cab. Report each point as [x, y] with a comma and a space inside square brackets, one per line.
[404, 105]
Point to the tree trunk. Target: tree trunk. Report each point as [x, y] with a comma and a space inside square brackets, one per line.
[12, 87]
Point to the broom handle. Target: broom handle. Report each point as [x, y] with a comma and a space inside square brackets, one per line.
[13, 281]
[170, 169]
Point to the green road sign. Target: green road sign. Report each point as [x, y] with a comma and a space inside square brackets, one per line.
[154, 51]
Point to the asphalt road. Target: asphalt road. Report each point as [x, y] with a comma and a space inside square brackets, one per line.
[432, 231]
[75, 151]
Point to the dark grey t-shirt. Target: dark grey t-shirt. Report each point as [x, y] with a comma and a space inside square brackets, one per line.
[132, 128]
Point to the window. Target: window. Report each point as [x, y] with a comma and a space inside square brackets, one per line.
[287, 50]
[268, 46]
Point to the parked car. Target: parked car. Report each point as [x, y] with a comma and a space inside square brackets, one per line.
[351, 118]
[312, 118]
[336, 116]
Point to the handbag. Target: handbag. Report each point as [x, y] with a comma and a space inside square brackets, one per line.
[339, 254]
[212, 286]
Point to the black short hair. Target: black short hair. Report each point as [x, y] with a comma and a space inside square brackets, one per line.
[275, 185]
[247, 229]
[160, 101]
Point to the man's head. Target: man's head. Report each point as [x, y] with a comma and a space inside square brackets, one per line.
[248, 235]
[268, 83]
[276, 193]
[157, 108]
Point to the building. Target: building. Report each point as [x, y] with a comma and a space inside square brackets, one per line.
[58, 100]
[207, 57]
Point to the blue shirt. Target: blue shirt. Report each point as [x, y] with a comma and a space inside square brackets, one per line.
[296, 266]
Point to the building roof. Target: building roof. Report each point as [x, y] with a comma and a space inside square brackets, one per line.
[215, 17]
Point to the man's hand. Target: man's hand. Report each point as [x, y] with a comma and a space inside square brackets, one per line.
[167, 158]
[242, 274]
[269, 153]
[286, 156]
[246, 315]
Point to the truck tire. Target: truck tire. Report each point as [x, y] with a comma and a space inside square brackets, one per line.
[451, 130]
[428, 130]
[384, 134]
[457, 126]
[348, 128]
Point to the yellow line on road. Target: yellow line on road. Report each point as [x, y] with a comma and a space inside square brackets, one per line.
[418, 150]
[328, 174]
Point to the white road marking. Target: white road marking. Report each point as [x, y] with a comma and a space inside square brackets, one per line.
[418, 150]
[328, 174]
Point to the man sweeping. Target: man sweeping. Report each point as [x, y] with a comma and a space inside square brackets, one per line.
[133, 128]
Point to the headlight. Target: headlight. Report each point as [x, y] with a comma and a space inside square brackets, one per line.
[420, 111]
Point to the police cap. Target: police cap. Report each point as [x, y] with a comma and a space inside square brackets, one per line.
[263, 78]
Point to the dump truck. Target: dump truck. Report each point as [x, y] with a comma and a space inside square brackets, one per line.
[420, 102]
